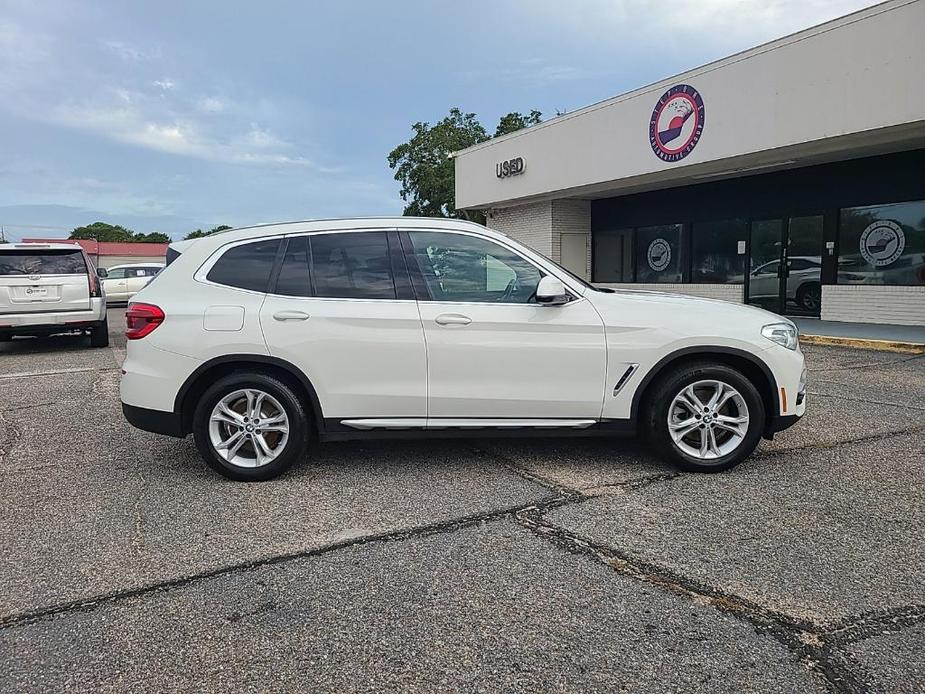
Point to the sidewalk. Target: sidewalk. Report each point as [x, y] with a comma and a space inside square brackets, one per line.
[899, 338]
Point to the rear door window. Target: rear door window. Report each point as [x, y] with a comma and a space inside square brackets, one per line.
[247, 266]
[27, 262]
[353, 265]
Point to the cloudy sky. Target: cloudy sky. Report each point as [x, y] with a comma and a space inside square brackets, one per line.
[173, 115]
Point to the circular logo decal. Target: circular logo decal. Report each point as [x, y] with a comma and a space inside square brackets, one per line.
[659, 254]
[676, 123]
[882, 243]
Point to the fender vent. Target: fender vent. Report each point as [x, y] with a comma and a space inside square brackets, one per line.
[630, 370]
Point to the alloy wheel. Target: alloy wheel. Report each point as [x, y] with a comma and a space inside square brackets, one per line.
[248, 428]
[708, 420]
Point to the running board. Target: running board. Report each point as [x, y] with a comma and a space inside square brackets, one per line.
[394, 423]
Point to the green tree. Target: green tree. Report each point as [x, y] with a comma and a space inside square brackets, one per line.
[199, 233]
[101, 231]
[153, 237]
[515, 121]
[424, 167]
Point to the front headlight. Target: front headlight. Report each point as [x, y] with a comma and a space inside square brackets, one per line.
[784, 334]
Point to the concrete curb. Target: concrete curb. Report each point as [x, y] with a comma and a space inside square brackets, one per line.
[860, 343]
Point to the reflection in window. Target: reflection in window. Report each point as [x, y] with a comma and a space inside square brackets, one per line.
[354, 265]
[659, 254]
[247, 266]
[882, 244]
[715, 252]
[457, 267]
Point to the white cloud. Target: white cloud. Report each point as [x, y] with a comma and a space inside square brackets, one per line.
[164, 84]
[211, 104]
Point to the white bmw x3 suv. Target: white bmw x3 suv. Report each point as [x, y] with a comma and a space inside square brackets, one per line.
[257, 340]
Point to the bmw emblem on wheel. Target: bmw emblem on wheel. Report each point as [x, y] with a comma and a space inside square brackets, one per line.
[676, 123]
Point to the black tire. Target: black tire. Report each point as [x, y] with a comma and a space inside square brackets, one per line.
[809, 297]
[99, 334]
[669, 386]
[294, 447]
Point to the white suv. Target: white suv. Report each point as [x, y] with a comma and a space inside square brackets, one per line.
[257, 340]
[48, 288]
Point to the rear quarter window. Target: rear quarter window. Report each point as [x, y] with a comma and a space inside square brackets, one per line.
[247, 266]
[26, 262]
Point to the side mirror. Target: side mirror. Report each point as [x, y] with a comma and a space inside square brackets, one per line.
[102, 272]
[551, 292]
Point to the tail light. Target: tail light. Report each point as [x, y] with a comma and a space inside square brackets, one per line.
[93, 281]
[142, 320]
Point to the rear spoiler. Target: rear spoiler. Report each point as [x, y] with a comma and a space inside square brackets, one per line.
[175, 249]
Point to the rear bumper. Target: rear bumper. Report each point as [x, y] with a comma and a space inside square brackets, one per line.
[53, 321]
[155, 421]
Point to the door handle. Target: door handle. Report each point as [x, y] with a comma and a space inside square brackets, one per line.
[290, 315]
[452, 319]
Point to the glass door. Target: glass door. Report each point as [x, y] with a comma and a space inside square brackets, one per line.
[785, 265]
[764, 270]
[803, 271]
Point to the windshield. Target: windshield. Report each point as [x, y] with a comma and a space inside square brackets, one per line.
[28, 262]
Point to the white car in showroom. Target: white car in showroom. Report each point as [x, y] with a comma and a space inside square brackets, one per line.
[257, 340]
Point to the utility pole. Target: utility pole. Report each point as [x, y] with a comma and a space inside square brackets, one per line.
[2, 236]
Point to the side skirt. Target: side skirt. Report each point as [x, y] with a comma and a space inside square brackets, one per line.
[337, 429]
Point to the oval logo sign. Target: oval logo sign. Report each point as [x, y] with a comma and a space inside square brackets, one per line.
[658, 254]
[882, 243]
[676, 123]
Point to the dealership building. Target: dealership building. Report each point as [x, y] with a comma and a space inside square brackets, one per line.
[790, 176]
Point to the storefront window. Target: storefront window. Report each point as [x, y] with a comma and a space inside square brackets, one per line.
[659, 254]
[882, 244]
[613, 256]
[718, 251]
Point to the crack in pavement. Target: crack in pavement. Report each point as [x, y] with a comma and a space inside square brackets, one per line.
[36, 374]
[451, 525]
[874, 623]
[880, 436]
[802, 638]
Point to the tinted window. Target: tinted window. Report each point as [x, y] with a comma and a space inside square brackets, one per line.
[613, 256]
[716, 257]
[659, 253]
[882, 244]
[23, 262]
[467, 268]
[352, 265]
[293, 275]
[247, 266]
[117, 273]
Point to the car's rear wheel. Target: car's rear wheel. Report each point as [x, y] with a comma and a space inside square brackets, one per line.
[99, 334]
[705, 417]
[250, 427]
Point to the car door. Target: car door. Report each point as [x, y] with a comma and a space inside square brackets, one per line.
[136, 279]
[116, 284]
[342, 310]
[493, 352]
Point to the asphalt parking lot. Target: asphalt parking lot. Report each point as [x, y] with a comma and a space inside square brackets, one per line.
[540, 565]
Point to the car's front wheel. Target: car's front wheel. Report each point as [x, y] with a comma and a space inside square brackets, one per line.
[250, 427]
[705, 417]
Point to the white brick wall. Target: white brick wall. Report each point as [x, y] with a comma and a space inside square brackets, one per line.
[529, 224]
[540, 225]
[726, 292]
[869, 304]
